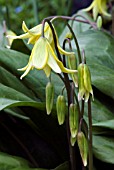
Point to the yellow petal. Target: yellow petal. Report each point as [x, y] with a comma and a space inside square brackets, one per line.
[47, 70]
[103, 8]
[64, 69]
[37, 29]
[60, 64]
[27, 70]
[24, 27]
[33, 39]
[64, 52]
[22, 36]
[95, 12]
[40, 53]
[53, 64]
[90, 7]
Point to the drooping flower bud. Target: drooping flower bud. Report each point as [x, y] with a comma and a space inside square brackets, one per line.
[84, 81]
[83, 147]
[81, 81]
[99, 22]
[49, 97]
[69, 35]
[73, 119]
[61, 109]
[72, 64]
[72, 141]
[87, 81]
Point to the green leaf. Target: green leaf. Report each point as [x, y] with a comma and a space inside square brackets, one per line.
[64, 166]
[103, 148]
[17, 112]
[10, 98]
[100, 113]
[7, 162]
[109, 124]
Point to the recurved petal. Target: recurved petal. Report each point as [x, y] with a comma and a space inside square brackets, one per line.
[40, 53]
[64, 69]
[37, 29]
[28, 68]
[24, 27]
[22, 36]
[90, 7]
[103, 8]
[63, 51]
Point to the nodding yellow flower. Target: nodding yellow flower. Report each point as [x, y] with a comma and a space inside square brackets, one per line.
[43, 55]
[34, 34]
[98, 7]
[44, 58]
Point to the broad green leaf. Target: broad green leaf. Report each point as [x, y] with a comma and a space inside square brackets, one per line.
[104, 127]
[10, 80]
[103, 148]
[99, 112]
[10, 98]
[8, 162]
[109, 124]
[17, 112]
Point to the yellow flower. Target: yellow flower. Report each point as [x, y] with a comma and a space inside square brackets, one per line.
[43, 57]
[35, 33]
[98, 7]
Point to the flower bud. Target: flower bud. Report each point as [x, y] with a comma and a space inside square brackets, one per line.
[87, 81]
[69, 35]
[84, 81]
[61, 109]
[99, 22]
[73, 119]
[72, 64]
[81, 81]
[72, 141]
[83, 147]
[49, 97]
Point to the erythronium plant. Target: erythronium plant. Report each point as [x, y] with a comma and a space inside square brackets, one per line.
[48, 55]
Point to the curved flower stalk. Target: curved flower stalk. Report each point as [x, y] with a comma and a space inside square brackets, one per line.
[42, 55]
[98, 7]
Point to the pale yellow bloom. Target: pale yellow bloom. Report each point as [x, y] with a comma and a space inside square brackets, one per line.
[43, 57]
[98, 7]
[35, 33]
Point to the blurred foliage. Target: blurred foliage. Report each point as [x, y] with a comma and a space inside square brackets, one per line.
[31, 11]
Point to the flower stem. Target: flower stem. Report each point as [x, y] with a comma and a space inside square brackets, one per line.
[85, 20]
[90, 135]
[76, 42]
